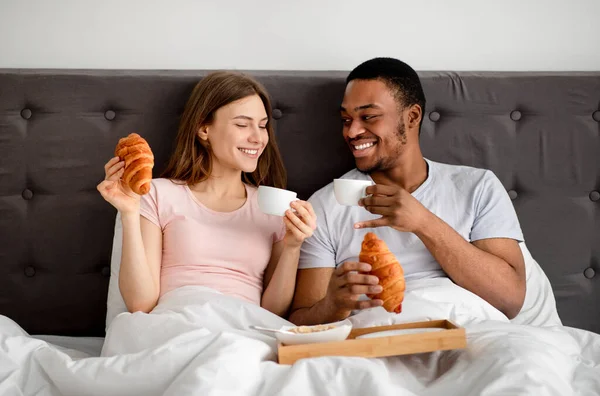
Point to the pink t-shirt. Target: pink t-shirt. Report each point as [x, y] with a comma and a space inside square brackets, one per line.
[228, 252]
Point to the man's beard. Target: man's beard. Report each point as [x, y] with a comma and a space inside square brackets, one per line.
[383, 164]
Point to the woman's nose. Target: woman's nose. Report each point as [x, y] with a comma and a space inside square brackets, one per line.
[255, 136]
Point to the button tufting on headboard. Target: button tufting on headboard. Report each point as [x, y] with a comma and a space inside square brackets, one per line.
[596, 115]
[277, 114]
[26, 114]
[29, 271]
[595, 196]
[515, 115]
[513, 194]
[434, 116]
[27, 194]
[589, 273]
[105, 271]
[110, 115]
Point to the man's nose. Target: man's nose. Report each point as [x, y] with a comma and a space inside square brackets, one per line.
[354, 130]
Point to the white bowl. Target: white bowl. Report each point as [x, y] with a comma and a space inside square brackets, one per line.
[339, 333]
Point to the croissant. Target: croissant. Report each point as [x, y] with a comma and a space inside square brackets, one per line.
[386, 267]
[139, 161]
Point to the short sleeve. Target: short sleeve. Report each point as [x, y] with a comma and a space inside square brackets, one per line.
[495, 215]
[149, 206]
[317, 251]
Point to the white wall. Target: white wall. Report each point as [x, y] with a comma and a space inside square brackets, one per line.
[303, 34]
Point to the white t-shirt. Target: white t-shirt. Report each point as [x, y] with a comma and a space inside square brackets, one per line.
[472, 201]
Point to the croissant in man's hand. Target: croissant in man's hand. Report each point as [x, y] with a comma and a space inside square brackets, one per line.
[386, 267]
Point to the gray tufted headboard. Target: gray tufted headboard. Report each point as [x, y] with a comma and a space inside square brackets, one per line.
[539, 132]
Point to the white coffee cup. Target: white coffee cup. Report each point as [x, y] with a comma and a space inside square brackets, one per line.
[275, 201]
[349, 192]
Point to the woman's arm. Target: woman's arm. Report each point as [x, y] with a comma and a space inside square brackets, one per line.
[139, 277]
[280, 275]
[280, 278]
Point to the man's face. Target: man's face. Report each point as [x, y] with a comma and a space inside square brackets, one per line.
[373, 125]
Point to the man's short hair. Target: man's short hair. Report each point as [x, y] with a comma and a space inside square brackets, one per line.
[400, 78]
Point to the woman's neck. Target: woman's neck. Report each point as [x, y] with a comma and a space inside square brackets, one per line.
[222, 184]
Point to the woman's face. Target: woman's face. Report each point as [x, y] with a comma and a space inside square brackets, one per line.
[238, 134]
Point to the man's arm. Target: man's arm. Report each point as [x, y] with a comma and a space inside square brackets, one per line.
[494, 268]
[308, 307]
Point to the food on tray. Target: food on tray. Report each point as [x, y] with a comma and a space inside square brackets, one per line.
[386, 267]
[139, 161]
[311, 329]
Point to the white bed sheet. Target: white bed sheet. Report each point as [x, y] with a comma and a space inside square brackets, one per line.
[91, 346]
[199, 342]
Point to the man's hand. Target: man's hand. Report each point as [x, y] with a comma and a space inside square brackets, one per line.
[347, 284]
[397, 207]
[325, 295]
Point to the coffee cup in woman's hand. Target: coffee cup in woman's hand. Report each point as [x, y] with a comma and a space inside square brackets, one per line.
[275, 201]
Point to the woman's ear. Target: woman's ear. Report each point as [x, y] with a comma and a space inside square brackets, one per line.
[203, 133]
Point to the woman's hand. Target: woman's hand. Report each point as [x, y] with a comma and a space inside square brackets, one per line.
[114, 191]
[301, 222]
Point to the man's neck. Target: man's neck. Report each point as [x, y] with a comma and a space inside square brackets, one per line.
[409, 173]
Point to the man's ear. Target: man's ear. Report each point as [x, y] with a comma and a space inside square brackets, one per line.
[415, 114]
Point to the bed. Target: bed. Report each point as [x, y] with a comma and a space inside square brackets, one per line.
[539, 133]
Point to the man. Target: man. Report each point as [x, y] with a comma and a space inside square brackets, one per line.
[439, 220]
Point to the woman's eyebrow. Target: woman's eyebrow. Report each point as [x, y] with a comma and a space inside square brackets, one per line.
[245, 117]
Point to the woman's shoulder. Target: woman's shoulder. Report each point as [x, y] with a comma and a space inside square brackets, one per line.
[164, 188]
[162, 183]
[252, 197]
[251, 189]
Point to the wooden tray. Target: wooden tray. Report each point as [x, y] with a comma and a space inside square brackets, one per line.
[453, 337]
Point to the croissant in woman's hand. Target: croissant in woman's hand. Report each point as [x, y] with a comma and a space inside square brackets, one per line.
[139, 161]
[386, 267]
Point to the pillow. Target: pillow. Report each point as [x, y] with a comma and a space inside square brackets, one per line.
[539, 307]
[114, 302]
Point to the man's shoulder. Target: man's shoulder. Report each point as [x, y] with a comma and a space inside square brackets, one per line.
[460, 174]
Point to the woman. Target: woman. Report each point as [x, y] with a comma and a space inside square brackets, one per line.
[200, 223]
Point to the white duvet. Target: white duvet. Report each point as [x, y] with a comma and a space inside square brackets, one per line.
[198, 342]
